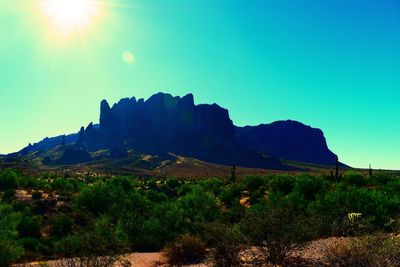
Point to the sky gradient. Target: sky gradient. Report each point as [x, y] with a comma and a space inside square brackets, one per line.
[332, 64]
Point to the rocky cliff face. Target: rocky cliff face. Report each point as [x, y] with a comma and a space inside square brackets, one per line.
[290, 140]
[164, 123]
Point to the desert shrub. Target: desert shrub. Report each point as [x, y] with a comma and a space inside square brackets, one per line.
[124, 184]
[195, 209]
[94, 199]
[184, 189]
[255, 186]
[368, 251]
[150, 227]
[10, 250]
[382, 178]
[30, 226]
[276, 227]
[8, 180]
[21, 206]
[352, 178]
[98, 245]
[9, 196]
[63, 185]
[376, 207]
[156, 197]
[253, 183]
[282, 184]
[234, 214]
[29, 243]
[172, 184]
[212, 185]
[61, 225]
[151, 236]
[393, 187]
[129, 210]
[154, 232]
[230, 195]
[28, 182]
[32, 248]
[185, 250]
[226, 243]
[309, 186]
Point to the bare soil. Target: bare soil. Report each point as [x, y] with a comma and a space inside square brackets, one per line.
[312, 255]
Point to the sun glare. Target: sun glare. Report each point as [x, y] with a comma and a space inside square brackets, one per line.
[69, 15]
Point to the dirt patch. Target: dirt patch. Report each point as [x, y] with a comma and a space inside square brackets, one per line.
[311, 255]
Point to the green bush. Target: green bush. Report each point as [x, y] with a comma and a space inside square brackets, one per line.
[8, 180]
[309, 186]
[98, 245]
[10, 250]
[253, 183]
[94, 199]
[61, 225]
[230, 195]
[276, 228]
[28, 243]
[63, 185]
[212, 185]
[353, 179]
[195, 209]
[226, 243]
[9, 196]
[28, 182]
[30, 226]
[282, 184]
[377, 209]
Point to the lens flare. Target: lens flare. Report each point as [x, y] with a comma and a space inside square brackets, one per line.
[128, 57]
[68, 15]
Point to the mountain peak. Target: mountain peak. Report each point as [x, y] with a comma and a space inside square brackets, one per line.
[165, 124]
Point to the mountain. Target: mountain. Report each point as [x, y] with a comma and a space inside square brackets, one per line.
[48, 143]
[167, 128]
[164, 123]
[289, 140]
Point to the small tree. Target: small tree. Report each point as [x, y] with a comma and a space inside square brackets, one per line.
[10, 250]
[226, 244]
[276, 228]
[100, 245]
[8, 180]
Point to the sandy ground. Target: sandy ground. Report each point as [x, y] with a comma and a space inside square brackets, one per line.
[312, 255]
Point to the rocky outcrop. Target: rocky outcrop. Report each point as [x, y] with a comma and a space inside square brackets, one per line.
[289, 140]
[164, 123]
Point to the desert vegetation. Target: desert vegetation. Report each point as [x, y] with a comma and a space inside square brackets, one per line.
[89, 220]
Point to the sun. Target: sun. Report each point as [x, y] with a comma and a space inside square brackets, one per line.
[69, 15]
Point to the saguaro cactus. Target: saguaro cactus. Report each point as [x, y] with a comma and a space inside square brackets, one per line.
[336, 176]
[233, 175]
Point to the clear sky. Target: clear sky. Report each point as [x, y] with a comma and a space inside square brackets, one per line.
[332, 64]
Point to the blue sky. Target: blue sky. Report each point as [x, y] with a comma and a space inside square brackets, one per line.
[334, 65]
